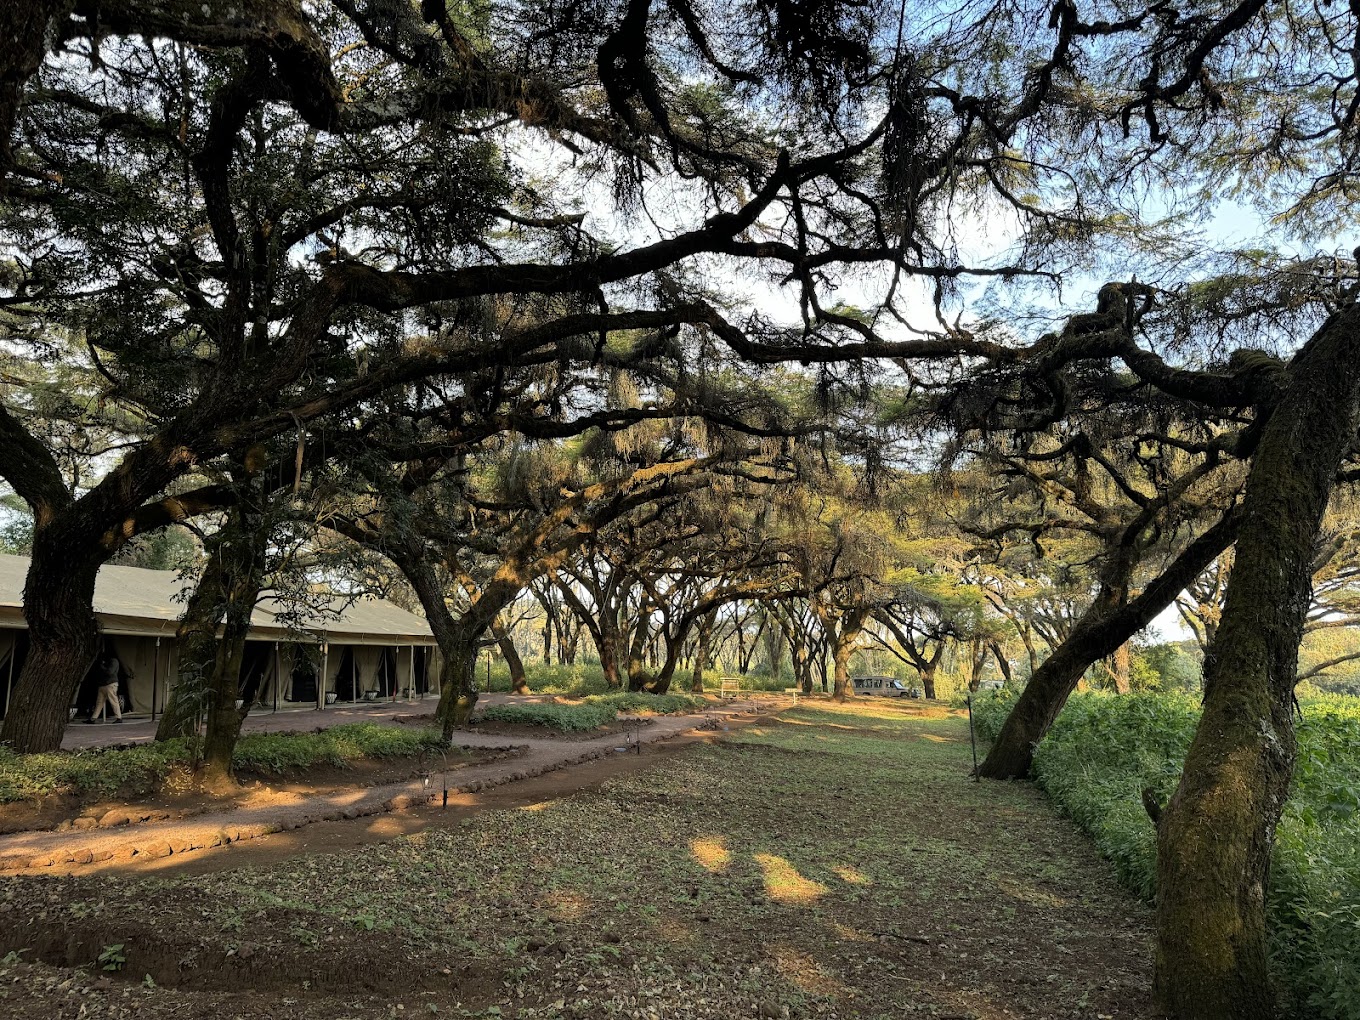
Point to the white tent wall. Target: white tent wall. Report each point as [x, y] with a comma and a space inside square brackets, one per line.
[366, 658]
[262, 654]
[144, 663]
[406, 658]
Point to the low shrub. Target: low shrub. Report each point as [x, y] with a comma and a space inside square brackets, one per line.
[641, 703]
[1105, 749]
[339, 745]
[571, 718]
[30, 776]
[145, 766]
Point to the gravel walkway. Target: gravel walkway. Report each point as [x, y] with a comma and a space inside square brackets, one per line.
[119, 834]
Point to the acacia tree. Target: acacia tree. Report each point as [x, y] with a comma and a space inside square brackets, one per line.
[257, 214]
[1136, 482]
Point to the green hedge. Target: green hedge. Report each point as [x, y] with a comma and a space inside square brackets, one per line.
[106, 770]
[1104, 750]
[591, 712]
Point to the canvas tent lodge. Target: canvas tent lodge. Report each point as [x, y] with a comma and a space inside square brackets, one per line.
[366, 650]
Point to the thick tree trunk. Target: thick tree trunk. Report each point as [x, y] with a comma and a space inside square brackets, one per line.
[1119, 668]
[701, 652]
[196, 640]
[608, 641]
[928, 681]
[977, 659]
[568, 640]
[1098, 633]
[774, 646]
[243, 547]
[843, 647]
[24, 28]
[638, 677]
[519, 683]
[457, 685]
[1002, 663]
[224, 719]
[1032, 653]
[1214, 839]
[63, 641]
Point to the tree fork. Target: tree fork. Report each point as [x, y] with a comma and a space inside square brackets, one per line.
[1097, 634]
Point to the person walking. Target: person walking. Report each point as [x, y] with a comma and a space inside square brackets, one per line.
[108, 689]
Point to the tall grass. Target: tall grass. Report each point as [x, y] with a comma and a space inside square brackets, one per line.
[1104, 750]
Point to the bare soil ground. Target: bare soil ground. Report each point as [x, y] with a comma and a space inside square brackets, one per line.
[833, 862]
[179, 797]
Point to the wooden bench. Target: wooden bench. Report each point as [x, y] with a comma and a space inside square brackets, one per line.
[729, 686]
[793, 692]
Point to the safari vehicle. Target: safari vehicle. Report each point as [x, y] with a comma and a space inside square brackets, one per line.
[883, 687]
[991, 685]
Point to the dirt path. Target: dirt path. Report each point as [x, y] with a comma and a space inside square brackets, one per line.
[115, 841]
[824, 863]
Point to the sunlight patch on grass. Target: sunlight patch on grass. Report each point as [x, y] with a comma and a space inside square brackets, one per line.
[566, 905]
[784, 884]
[852, 875]
[542, 805]
[805, 973]
[674, 931]
[850, 934]
[711, 852]
[1026, 893]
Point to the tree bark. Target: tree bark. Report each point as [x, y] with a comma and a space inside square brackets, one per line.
[519, 683]
[63, 640]
[608, 641]
[196, 638]
[1214, 839]
[843, 646]
[701, 652]
[928, 679]
[1098, 633]
[1119, 668]
[977, 659]
[243, 544]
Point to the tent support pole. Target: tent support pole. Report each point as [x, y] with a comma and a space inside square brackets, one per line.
[321, 684]
[278, 677]
[9, 684]
[155, 675]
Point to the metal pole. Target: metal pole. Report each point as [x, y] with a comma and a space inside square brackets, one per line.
[278, 675]
[9, 685]
[155, 675]
[972, 736]
[325, 669]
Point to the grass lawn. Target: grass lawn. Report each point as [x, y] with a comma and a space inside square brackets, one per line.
[833, 862]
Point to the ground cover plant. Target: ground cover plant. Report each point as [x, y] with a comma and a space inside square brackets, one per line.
[592, 712]
[834, 861]
[587, 678]
[107, 770]
[1105, 750]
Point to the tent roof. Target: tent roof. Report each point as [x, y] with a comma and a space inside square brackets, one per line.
[132, 600]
